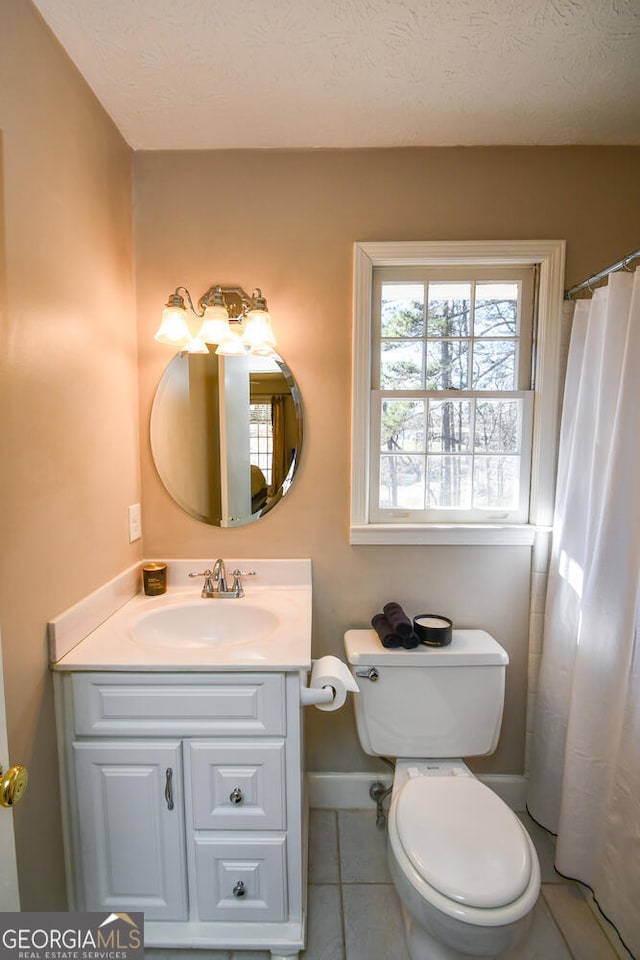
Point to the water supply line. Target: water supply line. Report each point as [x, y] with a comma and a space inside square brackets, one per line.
[379, 792]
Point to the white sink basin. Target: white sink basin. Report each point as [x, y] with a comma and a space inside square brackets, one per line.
[206, 623]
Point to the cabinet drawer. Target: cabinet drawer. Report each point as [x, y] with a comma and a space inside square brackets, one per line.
[240, 879]
[245, 704]
[237, 784]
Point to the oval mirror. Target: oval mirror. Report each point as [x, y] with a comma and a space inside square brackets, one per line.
[226, 434]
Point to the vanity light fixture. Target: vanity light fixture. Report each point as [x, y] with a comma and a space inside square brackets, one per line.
[233, 321]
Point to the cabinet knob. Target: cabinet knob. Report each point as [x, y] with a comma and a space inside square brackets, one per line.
[236, 795]
[239, 889]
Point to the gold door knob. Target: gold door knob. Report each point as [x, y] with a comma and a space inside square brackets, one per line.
[13, 784]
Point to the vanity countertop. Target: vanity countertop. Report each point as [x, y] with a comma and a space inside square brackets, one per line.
[268, 629]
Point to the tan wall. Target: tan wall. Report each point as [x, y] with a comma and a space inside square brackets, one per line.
[286, 221]
[68, 394]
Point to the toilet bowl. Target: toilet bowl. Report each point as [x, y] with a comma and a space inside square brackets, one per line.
[463, 865]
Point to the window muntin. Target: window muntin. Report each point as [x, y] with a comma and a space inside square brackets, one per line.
[451, 402]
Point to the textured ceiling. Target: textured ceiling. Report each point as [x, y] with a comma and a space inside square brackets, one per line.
[195, 74]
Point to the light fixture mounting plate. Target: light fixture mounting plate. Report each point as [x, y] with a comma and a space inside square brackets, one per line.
[237, 300]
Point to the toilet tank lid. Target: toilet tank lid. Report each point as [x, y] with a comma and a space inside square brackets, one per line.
[467, 648]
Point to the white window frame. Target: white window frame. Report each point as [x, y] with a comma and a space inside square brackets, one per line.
[548, 255]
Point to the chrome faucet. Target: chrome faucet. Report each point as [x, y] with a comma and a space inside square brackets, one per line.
[215, 582]
[219, 575]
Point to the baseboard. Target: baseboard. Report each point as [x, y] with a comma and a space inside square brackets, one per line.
[350, 791]
[510, 787]
[343, 791]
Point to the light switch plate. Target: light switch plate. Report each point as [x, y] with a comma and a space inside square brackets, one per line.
[135, 522]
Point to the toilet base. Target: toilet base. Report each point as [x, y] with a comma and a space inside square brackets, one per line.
[422, 946]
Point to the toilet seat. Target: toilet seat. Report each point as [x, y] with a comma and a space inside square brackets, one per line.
[463, 840]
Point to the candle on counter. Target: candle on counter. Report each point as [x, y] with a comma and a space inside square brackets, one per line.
[154, 579]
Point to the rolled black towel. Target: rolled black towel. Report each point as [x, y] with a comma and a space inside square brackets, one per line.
[387, 637]
[410, 642]
[398, 620]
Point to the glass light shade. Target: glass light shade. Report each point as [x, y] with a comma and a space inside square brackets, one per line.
[215, 325]
[232, 346]
[196, 346]
[257, 331]
[173, 329]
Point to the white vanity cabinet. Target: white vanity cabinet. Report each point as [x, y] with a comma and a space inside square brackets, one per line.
[182, 796]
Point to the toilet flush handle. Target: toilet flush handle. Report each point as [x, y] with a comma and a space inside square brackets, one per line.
[370, 673]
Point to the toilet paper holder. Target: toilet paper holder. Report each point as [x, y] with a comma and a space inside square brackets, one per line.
[329, 684]
[311, 696]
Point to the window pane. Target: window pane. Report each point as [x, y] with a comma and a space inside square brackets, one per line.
[401, 364]
[449, 483]
[496, 482]
[496, 310]
[402, 425]
[498, 426]
[449, 422]
[402, 482]
[449, 309]
[402, 310]
[447, 364]
[494, 365]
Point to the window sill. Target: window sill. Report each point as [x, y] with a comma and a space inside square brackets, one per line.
[461, 534]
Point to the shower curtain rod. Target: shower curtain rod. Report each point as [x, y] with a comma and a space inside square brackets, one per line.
[569, 294]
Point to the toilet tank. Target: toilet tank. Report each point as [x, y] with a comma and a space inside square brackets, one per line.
[430, 701]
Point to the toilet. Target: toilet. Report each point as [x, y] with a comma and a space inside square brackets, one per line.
[463, 865]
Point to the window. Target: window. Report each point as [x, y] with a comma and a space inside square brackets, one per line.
[261, 438]
[451, 398]
[448, 375]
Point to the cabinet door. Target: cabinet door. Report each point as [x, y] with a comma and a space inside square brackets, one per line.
[131, 827]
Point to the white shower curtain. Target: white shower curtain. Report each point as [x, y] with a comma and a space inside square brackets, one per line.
[585, 763]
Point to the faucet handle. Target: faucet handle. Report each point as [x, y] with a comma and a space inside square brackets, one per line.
[208, 589]
[236, 587]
